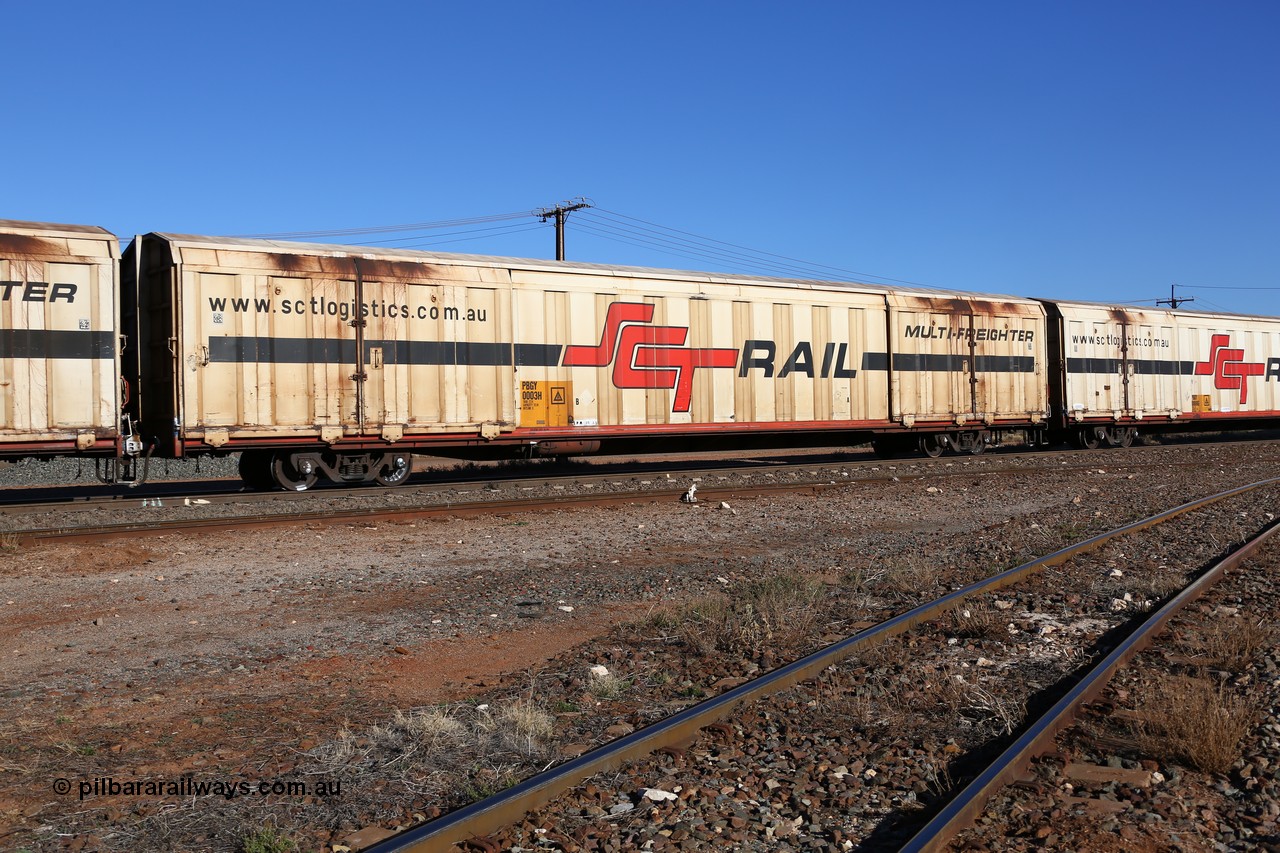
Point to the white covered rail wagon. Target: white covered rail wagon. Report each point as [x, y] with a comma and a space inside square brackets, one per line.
[60, 386]
[1121, 369]
[338, 361]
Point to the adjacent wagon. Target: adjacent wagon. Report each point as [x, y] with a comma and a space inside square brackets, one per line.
[60, 386]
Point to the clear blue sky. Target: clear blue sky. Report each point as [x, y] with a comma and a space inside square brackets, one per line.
[1092, 150]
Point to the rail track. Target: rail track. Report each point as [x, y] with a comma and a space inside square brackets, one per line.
[485, 817]
[212, 505]
[17, 500]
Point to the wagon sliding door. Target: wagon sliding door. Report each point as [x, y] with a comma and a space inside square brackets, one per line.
[269, 353]
[436, 357]
[962, 361]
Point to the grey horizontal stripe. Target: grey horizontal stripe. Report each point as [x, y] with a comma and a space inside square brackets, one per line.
[1141, 366]
[327, 351]
[56, 343]
[959, 363]
[282, 350]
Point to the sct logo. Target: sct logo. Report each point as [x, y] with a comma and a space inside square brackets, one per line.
[1228, 368]
[647, 356]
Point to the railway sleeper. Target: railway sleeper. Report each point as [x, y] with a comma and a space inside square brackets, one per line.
[263, 470]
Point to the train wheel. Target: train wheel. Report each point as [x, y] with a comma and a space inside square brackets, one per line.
[932, 445]
[395, 471]
[1086, 438]
[1120, 436]
[255, 470]
[979, 445]
[290, 478]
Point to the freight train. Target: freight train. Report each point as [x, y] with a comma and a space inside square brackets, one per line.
[338, 362]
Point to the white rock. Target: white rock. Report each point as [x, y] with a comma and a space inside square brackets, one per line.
[599, 671]
[1116, 573]
[658, 795]
[933, 490]
[1002, 604]
[566, 608]
[1118, 604]
[868, 774]
[1156, 777]
[986, 662]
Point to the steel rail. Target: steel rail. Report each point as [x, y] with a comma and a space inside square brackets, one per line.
[135, 529]
[486, 816]
[171, 492]
[478, 506]
[1039, 737]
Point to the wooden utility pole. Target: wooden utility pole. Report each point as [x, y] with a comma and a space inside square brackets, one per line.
[560, 212]
[1174, 301]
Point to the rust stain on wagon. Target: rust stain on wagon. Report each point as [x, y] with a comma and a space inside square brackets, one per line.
[347, 266]
[21, 244]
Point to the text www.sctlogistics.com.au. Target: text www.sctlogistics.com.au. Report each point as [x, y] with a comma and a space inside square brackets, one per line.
[189, 786]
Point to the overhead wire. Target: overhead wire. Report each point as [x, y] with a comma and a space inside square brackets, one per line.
[494, 231]
[479, 237]
[383, 229]
[1223, 287]
[807, 265]
[634, 239]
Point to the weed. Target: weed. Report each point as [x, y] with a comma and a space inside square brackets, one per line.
[1194, 721]
[524, 727]
[1234, 644]
[10, 542]
[1005, 711]
[86, 750]
[424, 750]
[975, 622]
[778, 610]
[266, 840]
[608, 686]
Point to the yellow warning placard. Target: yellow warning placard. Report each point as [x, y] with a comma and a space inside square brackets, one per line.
[545, 404]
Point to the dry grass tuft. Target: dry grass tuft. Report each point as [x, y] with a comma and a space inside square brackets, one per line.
[774, 611]
[608, 686]
[1233, 645]
[1194, 721]
[429, 750]
[975, 622]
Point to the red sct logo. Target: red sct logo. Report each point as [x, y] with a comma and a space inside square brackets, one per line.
[1227, 367]
[647, 356]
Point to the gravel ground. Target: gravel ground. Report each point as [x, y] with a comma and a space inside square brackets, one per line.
[287, 654]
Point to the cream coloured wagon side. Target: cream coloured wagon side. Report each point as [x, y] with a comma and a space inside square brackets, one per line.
[60, 381]
[1127, 369]
[339, 361]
